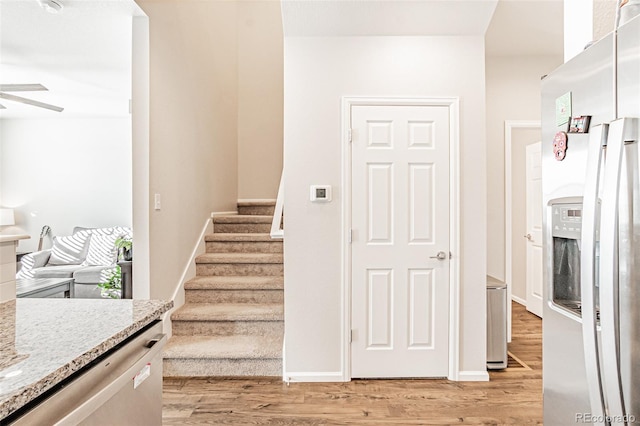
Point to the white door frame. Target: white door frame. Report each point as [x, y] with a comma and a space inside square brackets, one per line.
[509, 126]
[454, 233]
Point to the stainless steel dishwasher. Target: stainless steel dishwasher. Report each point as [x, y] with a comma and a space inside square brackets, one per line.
[124, 387]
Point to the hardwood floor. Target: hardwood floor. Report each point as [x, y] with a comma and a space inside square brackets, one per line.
[513, 396]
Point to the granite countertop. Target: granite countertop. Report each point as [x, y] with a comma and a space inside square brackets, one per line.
[43, 341]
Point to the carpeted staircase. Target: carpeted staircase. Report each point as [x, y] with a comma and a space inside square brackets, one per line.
[232, 322]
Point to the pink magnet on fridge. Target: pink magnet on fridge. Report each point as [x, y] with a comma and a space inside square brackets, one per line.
[560, 145]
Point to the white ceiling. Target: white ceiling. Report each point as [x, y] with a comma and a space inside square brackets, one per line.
[513, 27]
[526, 27]
[82, 55]
[329, 18]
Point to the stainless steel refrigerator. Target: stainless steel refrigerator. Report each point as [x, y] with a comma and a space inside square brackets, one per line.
[591, 202]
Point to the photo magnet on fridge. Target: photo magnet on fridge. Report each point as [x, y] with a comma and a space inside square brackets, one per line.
[580, 124]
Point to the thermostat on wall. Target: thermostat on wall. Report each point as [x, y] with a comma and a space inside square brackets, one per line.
[320, 193]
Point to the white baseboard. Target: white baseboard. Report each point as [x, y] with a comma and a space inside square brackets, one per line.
[337, 376]
[473, 376]
[331, 376]
[518, 300]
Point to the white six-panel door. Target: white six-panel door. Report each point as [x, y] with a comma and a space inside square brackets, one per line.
[400, 222]
[534, 228]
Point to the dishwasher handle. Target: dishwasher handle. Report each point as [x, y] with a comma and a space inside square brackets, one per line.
[96, 400]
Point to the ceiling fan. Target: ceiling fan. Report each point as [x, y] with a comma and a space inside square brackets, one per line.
[25, 88]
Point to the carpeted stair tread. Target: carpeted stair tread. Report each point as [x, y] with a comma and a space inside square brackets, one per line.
[257, 203]
[224, 347]
[235, 283]
[250, 237]
[240, 258]
[229, 312]
[242, 218]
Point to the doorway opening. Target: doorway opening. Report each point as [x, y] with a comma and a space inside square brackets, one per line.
[518, 136]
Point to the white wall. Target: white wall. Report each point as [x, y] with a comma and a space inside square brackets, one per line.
[585, 22]
[140, 151]
[513, 93]
[193, 128]
[318, 72]
[578, 26]
[65, 173]
[604, 13]
[260, 98]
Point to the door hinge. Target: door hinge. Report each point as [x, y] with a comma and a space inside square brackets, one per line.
[350, 135]
[350, 236]
[351, 336]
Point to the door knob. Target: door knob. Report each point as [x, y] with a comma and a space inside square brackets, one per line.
[528, 237]
[440, 256]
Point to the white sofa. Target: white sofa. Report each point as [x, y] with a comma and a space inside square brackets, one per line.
[88, 255]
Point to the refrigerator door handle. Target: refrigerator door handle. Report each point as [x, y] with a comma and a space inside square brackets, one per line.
[590, 212]
[619, 132]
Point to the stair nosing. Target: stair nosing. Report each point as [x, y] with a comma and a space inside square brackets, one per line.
[240, 258]
[239, 219]
[241, 237]
[212, 312]
[237, 278]
[235, 282]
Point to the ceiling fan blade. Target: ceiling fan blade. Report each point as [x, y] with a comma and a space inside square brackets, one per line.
[22, 87]
[30, 102]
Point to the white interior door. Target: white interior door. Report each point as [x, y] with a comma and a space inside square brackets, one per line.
[534, 229]
[400, 222]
